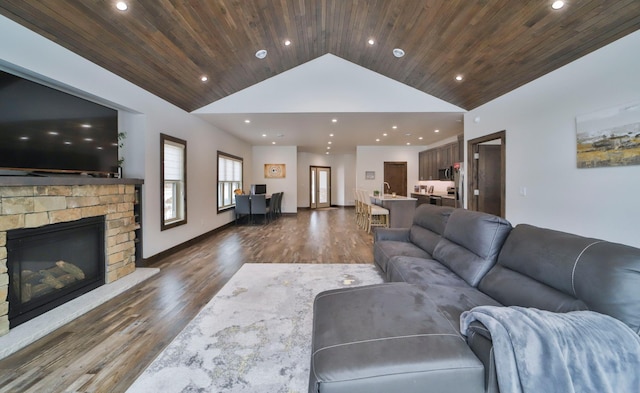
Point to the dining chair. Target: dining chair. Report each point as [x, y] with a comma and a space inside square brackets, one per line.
[243, 207]
[259, 207]
[273, 204]
[278, 205]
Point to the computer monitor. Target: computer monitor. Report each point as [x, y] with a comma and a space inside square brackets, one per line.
[258, 189]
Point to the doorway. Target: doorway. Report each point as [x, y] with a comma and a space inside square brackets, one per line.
[395, 175]
[487, 169]
[320, 187]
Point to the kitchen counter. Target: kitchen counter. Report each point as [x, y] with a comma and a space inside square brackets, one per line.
[435, 194]
[391, 197]
[401, 209]
[442, 199]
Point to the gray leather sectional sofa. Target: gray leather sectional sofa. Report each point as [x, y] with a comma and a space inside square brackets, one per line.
[404, 335]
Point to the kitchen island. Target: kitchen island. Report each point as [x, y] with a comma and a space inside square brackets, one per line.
[401, 209]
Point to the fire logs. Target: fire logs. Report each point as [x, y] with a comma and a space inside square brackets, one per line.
[36, 284]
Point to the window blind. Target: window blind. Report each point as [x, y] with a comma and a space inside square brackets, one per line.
[173, 161]
[229, 169]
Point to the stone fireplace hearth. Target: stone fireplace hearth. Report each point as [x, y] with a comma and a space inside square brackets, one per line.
[27, 202]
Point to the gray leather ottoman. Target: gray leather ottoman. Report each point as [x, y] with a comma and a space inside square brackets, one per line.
[388, 338]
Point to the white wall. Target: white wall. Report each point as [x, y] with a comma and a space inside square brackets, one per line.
[278, 155]
[344, 179]
[145, 116]
[372, 158]
[539, 119]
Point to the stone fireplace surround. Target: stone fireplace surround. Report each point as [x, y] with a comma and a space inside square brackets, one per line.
[30, 202]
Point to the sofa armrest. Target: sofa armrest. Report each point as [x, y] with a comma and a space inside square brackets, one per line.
[479, 340]
[395, 234]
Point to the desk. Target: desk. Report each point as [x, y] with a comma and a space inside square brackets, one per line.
[400, 208]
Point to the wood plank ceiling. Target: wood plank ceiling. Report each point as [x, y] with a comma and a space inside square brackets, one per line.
[165, 46]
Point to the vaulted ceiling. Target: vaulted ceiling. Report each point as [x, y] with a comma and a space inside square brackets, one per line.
[166, 46]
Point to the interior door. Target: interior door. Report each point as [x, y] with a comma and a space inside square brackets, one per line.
[395, 175]
[487, 173]
[320, 190]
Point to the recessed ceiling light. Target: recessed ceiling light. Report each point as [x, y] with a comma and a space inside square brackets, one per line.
[459, 78]
[85, 125]
[408, 143]
[397, 52]
[395, 127]
[264, 135]
[99, 147]
[53, 133]
[377, 139]
[557, 5]
[287, 43]
[436, 130]
[88, 139]
[327, 153]
[329, 142]
[122, 6]
[261, 54]
[204, 78]
[330, 134]
[328, 147]
[273, 143]
[247, 121]
[24, 138]
[420, 138]
[334, 120]
[371, 41]
[67, 142]
[385, 134]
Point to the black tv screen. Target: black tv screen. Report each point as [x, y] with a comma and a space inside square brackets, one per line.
[44, 129]
[258, 189]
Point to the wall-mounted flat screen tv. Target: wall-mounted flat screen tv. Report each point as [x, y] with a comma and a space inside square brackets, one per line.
[47, 130]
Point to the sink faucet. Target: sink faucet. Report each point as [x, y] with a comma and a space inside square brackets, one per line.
[388, 187]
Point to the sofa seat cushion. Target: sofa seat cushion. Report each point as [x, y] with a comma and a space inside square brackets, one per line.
[422, 271]
[385, 249]
[388, 338]
[453, 301]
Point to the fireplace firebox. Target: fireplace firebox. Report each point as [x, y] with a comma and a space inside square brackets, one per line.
[53, 264]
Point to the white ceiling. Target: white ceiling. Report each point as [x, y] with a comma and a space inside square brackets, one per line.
[296, 108]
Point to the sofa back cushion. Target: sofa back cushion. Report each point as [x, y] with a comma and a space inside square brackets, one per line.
[562, 272]
[428, 225]
[471, 243]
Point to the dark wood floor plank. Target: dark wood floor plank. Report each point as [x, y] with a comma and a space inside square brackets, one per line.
[106, 349]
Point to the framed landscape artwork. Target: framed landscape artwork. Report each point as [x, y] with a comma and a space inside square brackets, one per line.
[609, 137]
[275, 171]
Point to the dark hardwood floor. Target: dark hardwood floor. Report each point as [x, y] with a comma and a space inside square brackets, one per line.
[106, 349]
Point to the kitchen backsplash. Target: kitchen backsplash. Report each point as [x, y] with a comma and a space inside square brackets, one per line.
[438, 185]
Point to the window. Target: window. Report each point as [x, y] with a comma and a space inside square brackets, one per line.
[173, 163]
[229, 180]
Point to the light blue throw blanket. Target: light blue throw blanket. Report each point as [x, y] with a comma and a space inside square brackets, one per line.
[576, 352]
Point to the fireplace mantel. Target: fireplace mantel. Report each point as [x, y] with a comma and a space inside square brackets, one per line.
[18, 181]
[33, 201]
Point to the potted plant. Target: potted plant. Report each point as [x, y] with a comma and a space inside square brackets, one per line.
[121, 137]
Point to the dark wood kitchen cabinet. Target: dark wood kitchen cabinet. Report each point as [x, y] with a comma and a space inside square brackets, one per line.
[429, 161]
[448, 202]
[428, 164]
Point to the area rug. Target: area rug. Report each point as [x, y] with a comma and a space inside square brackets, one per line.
[254, 335]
